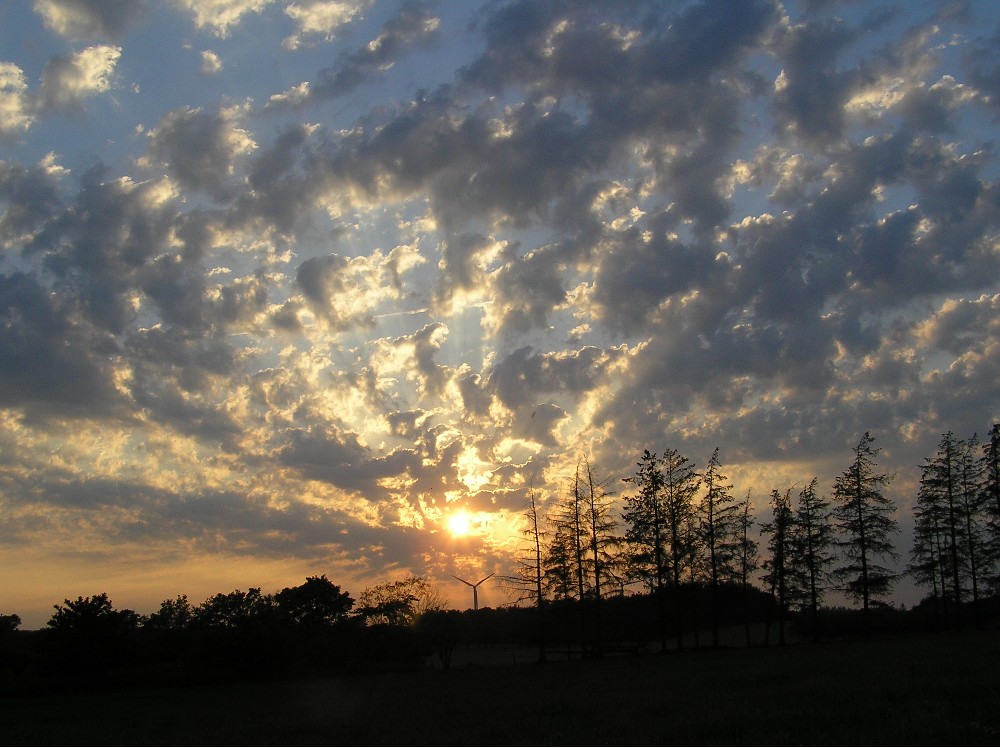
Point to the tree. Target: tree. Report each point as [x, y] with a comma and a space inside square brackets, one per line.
[601, 541]
[90, 634]
[9, 623]
[398, 603]
[747, 558]
[776, 565]
[173, 614]
[316, 603]
[240, 611]
[972, 503]
[527, 581]
[91, 617]
[811, 549]
[949, 542]
[680, 485]
[989, 471]
[559, 563]
[863, 516]
[719, 534]
[646, 533]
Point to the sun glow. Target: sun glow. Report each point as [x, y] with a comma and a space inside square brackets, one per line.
[460, 524]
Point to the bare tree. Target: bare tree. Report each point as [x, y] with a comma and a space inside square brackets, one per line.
[527, 583]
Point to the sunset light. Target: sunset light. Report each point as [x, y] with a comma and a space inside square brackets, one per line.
[460, 523]
[299, 288]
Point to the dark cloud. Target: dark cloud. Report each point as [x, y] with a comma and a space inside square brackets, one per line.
[525, 375]
[90, 18]
[52, 362]
[200, 148]
[30, 196]
[412, 29]
[339, 459]
[983, 61]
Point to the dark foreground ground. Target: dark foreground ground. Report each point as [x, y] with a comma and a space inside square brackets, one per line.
[917, 690]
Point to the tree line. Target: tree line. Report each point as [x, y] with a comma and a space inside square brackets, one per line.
[313, 627]
[701, 558]
[682, 527]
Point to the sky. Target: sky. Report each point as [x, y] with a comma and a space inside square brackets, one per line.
[328, 286]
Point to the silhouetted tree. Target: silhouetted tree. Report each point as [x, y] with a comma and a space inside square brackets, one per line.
[989, 472]
[236, 610]
[91, 616]
[398, 603]
[927, 565]
[559, 563]
[747, 558]
[9, 623]
[810, 550]
[527, 581]
[646, 533]
[938, 502]
[90, 634]
[680, 486]
[864, 519]
[972, 504]
[602, 540]
[719, 534]
[776, 565]
[173, 614]
[316, 603]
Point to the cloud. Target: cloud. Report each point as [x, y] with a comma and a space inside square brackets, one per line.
[86, 19]
[512, 235]
[413, 28]
[339, 459]
[67, 81]
[211, 64]
[321, 19]
[201, 149]
[53, 364]
[16, 106]
[345, 292]
[30, 196]
[219, 16]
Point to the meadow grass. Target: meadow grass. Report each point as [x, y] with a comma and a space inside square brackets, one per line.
[915, 690]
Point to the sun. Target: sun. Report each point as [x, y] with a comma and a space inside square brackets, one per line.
[460, 523]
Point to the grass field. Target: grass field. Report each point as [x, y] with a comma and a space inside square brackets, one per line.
[918, 690]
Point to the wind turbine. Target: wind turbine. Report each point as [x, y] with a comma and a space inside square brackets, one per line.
[475, 589]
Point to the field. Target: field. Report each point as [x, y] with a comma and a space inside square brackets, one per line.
[915, 690]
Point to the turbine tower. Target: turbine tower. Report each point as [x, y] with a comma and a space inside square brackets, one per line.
[475, 588]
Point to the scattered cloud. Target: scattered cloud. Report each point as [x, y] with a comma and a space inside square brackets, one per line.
[422, 256]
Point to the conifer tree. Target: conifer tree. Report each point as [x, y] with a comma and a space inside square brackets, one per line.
[719, 534]
[972, 504]
[747, 558]
[776, 574]
[989, 472]
[811, 549]
[646, 533]
[863, 516]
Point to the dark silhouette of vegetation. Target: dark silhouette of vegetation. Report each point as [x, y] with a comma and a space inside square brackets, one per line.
[719, 534]
[864, 519]
[570, 585]
[776, 566]
[810, 550]
[527, 583]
